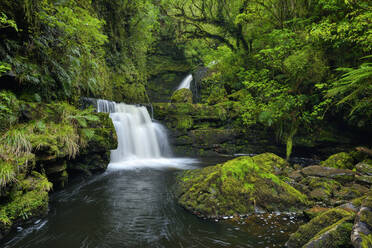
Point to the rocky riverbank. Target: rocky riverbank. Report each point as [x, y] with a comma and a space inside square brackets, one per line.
[47, 144]
[334, 196]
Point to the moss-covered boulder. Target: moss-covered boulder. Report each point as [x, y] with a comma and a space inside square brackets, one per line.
[28, 200]
[182, 96]
[340, 160]
[361, 236]
[364, 167]
[341, 175]
[330, 229]
[321, 189]
[239, 186]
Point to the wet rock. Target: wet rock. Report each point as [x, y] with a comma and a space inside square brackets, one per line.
[324, 227]
[314, 211]
[336, 235]
[351, 192]
[350, 206]
[296, 175]
[364, 179]
[182, 96]
[361, 236]
[239, 186]
[365, 167]
[207, 138]
[57, 167]
[320, 188]
[320, 194]
[342, 175]
[340, 160]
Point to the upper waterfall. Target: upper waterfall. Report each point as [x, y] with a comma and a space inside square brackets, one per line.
[186, 82]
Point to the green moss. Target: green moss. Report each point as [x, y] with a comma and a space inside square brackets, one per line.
[335, 235]
[130, 93]
[28, 199]
[184, 122]
[366, 217]
[236, 187]
[357, 202]
[10, 110]
[182, 96]
[366, 240]
[325, 220]
[217, 95]
[340, 160]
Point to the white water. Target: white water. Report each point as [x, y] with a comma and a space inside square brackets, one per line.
[141, 142]
[186, 82]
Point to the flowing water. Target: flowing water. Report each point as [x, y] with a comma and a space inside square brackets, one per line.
[132, 204]
[186, 82]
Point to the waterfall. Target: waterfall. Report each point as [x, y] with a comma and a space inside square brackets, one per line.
[142, 142]
[138, 136]
[186, 82]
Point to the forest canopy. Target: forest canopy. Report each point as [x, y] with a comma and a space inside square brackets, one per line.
[294, 63]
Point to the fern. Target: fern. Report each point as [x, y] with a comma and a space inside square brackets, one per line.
[355, 88]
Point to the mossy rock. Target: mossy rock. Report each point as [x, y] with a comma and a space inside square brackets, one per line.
[182, 96]
[336, 235]
[362, 230]
[340, 160]
[320, 225]
[314, 212]
[341, 175]
[199, 112]
[184, 122]
[130, 93]
[217, 95]
[365, 167]
[238, 186]
[28, 200]
[351, 192]
[209, 137]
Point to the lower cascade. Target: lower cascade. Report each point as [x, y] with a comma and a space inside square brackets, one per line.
[139, 138]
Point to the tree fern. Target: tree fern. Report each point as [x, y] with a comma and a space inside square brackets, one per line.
[354, 88]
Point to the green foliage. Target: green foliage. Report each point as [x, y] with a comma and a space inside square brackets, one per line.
[7, 174]
[286, 60]
[9, 109]
[4, 67]
[16, 142]
[6, 22]
[354, 90]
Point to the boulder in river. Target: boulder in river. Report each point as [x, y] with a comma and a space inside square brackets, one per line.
[240, 186]
[329, 229]
[340, 160]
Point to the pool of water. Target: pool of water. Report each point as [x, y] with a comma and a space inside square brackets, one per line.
[135, 207]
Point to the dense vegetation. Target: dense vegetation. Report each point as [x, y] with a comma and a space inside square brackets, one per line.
[291, 66]
[298, 63]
